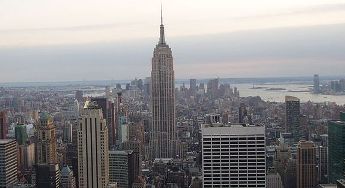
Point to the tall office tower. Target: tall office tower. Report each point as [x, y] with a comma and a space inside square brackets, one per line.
[212, 87]
[233, 155]
[121, 120]
[192, 87]
[67, 178]
[306, 165]
[8, 161]
[67, 132]
[323, 164]
[3, 124]
[45, 140]
[316, 83]
[293, 116]
[92, 147]
[47, 176]
[108, 110]
[147, 87]
[79, 96]
[163, 134]
[26, 156]
[121, 168]
[242, 114]
[336, 150]
[21, 134]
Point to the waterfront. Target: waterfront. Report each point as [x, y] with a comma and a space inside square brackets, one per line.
[298, 90]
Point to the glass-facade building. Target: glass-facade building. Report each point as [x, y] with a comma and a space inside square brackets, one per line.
[336, 149]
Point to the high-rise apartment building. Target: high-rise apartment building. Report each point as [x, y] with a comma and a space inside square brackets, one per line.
[8, 161]
[45, 140]
[92, 147]
[3, 124]
[306, 165]
[233, 156]
[163, 134]
[336, 150]
[293, 116]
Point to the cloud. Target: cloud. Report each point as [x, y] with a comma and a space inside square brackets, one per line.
[270, 52]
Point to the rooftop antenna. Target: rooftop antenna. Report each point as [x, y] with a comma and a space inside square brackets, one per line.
[161, 13]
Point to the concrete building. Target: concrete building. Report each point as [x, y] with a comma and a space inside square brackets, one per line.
[163, 134]
[26, 156]
[3, 124]
[306, 165]
[92, 147]
[45, 140]
[122, 169]
[293, 116]
[8, 161]
[233, 155]
[108, 110]
[274, 181]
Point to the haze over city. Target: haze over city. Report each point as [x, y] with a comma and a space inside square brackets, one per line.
[104, 40]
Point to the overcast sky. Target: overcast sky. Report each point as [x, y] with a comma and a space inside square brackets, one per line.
[49, 40]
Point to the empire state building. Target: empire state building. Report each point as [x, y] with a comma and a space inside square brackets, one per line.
[163, 132]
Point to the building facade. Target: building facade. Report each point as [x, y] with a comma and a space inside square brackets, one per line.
[47, 176]
[163, 134]
[92, 148]
[336, 150]
[293, 116]
[45, 140]
[306, 165]
[8, 161]
[122, 168]
[3, 124]
[233, 156]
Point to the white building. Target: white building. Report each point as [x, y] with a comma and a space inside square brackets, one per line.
[92, 148]
[233, 156]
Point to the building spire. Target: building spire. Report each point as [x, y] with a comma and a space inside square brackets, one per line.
[161, 13]
[161, 36]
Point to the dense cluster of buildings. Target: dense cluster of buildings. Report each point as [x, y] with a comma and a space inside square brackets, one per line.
[149, 133]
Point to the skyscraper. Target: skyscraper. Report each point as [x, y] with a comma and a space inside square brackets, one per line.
[3, 125]
[306, 165]
[316, 83]
[108, 110]
[233, 155]
[336, 150]
[8, 161]
[192, 87]
[45, 140]
[163, 134]
[293, 116]
[92, 147]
